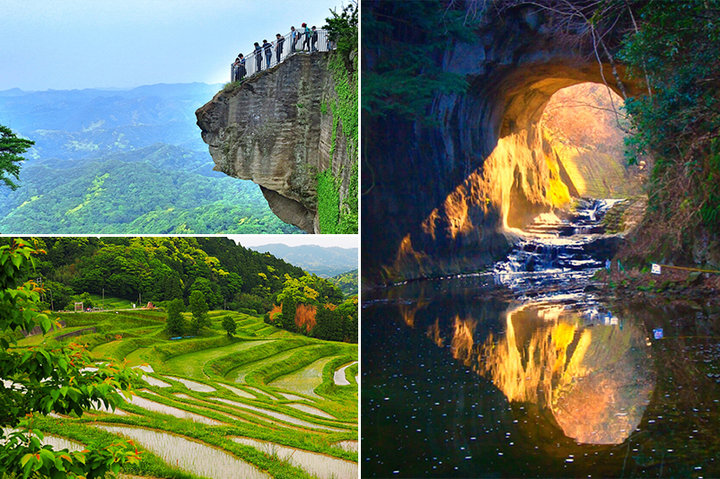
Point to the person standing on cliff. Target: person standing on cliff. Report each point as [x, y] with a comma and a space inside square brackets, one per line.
[241, 70]
[293, 39]
[234, 70]
[307, 33]
[313, 40]
[258, 57]
[268, 52]
[279, 40]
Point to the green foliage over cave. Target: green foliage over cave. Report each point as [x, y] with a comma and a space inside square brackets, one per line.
[404, 40]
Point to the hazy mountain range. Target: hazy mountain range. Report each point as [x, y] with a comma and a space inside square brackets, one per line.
[321, 260]
[123, 161]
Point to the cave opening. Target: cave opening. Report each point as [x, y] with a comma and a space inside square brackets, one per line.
[578, 137]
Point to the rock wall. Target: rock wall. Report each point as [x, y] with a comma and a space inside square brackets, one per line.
[443, 195]
[272, 129]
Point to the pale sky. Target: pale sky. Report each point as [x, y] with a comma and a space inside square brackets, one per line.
[343, 241]
[74, 44]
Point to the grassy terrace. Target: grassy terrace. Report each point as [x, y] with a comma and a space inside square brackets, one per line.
[264, 402]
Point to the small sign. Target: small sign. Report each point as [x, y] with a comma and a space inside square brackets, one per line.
[658, 333]
[655, 269]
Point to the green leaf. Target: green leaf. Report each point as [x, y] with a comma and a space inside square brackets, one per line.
[25, 459]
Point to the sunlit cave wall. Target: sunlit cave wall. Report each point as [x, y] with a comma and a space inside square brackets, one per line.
[442, 194]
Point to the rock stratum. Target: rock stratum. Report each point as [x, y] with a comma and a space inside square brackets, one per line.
[275, 130]
[445, 192]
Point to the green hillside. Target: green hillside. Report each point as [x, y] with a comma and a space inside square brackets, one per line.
[218, 389]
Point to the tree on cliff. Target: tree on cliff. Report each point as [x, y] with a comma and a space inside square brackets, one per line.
[342, 29]
[11, 149]
[38, 381]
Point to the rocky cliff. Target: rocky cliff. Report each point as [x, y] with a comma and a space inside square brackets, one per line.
[445, 189]
[276, 130]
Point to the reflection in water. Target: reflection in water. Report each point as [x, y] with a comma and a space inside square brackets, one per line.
[409, 310]
[550, 395]
[593, 377]
[462, 341]
[433, 333]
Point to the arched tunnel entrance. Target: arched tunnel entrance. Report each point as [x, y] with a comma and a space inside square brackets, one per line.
[444, 188]
[582, 130]
[542, 139]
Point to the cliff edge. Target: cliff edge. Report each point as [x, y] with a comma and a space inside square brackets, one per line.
[277, 129]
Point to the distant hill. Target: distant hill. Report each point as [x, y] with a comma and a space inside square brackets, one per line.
[347, 282]
[123, 161]
[323, 261]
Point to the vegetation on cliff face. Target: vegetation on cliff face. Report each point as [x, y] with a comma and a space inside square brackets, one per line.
[334, 215]
[677, 121]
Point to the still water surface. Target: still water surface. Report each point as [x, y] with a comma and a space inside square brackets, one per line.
[461, 379]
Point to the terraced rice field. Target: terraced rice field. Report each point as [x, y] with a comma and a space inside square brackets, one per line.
[264, 403]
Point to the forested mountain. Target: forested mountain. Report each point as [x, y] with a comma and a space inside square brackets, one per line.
[347, 282]
[320, 260]
[123, 161]
[160, 269]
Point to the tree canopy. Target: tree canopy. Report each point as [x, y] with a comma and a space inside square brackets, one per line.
[38, 381]
[674, 53]
[11, 149]
[161, 269]
[175, 321]
[315, 307]
[199, 310]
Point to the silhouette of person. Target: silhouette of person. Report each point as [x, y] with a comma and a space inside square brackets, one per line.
[293, 39]
[279, 41]
[241, 71]
[234, 70]
[313, 40]
[268, 52]
[307, 33]
[258, 57]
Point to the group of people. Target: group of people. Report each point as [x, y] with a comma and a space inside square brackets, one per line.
[311, 37]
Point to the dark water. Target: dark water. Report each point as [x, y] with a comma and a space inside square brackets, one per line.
[462, 377]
